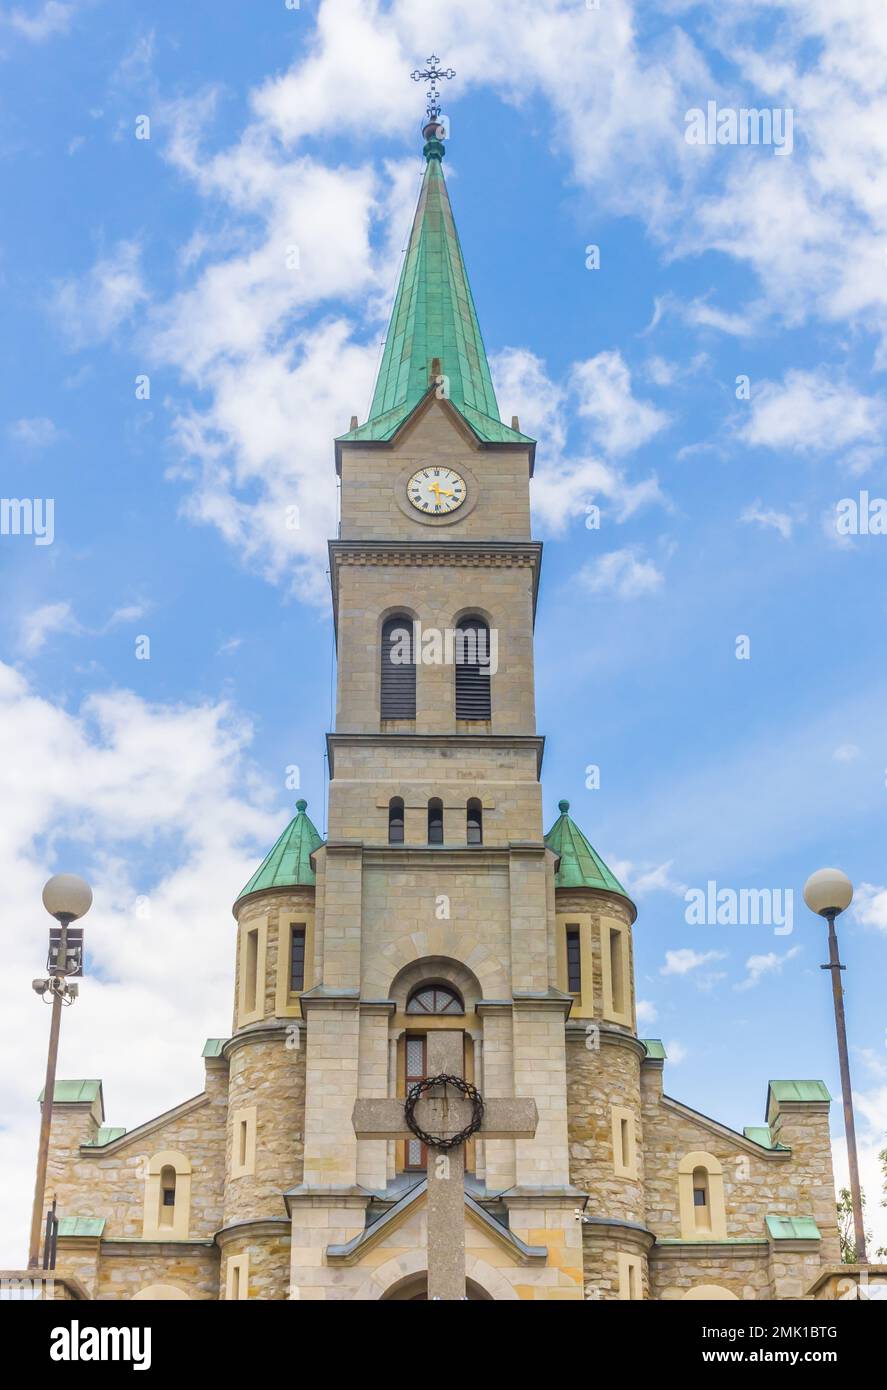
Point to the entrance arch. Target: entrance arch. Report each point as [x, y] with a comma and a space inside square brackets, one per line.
[708, 1293]
[414, 1289]
[483, 1281]
[160, 1292]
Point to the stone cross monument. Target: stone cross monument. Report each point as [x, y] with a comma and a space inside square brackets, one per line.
[445, 1115]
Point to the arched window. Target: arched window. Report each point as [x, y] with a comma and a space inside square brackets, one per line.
[398, 680]
[473, 667]
[395, 821]
[167, 1196]
[435, 821]
[701, 1202]
[166, 1212]
[435, 999]
[701, 1197]
[475, 822]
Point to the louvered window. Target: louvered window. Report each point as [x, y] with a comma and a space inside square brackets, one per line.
[395, 821]
[472, 669]
[435, 821]
[475, 823]
[398, 685]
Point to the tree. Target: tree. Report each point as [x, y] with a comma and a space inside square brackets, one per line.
[844, 1211]
[881, 1252]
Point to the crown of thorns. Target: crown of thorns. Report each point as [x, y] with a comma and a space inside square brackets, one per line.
[435, 1141]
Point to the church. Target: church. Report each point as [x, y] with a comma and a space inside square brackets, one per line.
[438, 930]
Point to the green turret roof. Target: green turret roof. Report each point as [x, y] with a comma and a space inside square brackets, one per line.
[580, 866]
[289, 863]
[434, 329]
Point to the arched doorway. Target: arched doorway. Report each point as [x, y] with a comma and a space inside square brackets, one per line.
[414, 1289]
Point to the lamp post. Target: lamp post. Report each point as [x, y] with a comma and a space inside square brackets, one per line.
[829, 892]
[66, 898]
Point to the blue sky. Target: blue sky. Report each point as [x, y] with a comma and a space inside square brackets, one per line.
[164, 780]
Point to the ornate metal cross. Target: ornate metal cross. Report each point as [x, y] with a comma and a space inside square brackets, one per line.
[432, 73]
[503, 1119]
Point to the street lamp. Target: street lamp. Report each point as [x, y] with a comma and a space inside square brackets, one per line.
[66, 898]
[829, 892]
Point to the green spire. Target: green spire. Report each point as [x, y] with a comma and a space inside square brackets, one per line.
[434, 330]
[580, 866]
[288, 864]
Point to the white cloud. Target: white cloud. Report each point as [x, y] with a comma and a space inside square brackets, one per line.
[619, 423]
[52, 17]
[870, 905]
[153, 802]
[676, 1052]
[846, 753]
[36, 627]
[126, 613]
[565, 485]
[35, 433]
[768, 964]
[683, 961]
[813, 412]
[91, 307]
[780, 521]
[623, 573]
[870, 1107]
[699, 313]
[660, 371]
[647, 878]
[646, 1013]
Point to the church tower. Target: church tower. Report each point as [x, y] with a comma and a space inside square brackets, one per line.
[438, 918]
[435, 887]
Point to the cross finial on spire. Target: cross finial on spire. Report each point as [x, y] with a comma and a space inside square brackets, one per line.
[432, 73]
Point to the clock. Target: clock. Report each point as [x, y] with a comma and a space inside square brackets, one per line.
[436, 491]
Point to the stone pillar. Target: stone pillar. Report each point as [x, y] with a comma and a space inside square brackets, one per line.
[498, 1081]
[540, 1071]
[804, 1126]
[549, 1220]
[373, 1081]
[342, 915]
[527, 866]
[331, 1088]
[319, 1220]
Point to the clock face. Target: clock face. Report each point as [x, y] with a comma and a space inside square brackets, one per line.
[436, 491]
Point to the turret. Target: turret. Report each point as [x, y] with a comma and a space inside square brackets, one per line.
[266, 1054]
[593, 948]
